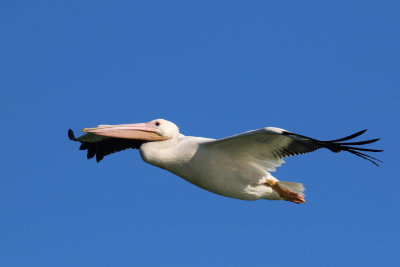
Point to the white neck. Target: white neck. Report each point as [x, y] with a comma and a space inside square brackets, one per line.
[156, 153]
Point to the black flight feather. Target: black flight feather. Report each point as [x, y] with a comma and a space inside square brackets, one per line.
[102, 147]
[336, 145]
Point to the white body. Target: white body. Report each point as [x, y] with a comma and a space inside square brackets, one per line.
[238, 166]
[211, 169]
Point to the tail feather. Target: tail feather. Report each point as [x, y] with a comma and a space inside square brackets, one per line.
[298, 188]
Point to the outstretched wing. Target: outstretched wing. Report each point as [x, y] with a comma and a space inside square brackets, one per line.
[101, 146]
[269, 146]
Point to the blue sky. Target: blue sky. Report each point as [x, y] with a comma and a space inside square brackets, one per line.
[215, 68]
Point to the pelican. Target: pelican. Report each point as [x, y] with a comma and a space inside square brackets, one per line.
[238, 166]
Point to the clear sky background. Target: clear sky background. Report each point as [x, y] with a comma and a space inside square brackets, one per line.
[324, 69]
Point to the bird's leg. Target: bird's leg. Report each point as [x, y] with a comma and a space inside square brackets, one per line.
[285, 193]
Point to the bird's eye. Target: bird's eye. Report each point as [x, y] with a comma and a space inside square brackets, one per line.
[157, 123]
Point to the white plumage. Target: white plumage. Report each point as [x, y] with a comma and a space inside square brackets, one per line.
[238, 166]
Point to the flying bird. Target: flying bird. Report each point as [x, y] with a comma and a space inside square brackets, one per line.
[238, 166]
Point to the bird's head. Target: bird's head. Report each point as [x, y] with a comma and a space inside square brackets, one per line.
[165, 128]
[155, 130]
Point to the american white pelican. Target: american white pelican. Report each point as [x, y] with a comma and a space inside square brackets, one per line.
[238, 166]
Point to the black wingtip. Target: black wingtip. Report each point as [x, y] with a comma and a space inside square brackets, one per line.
[361, 142]
[367, 157]
[99, 157]
[71, 135]
[337, 146]
[91, 152]
[348, 137]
